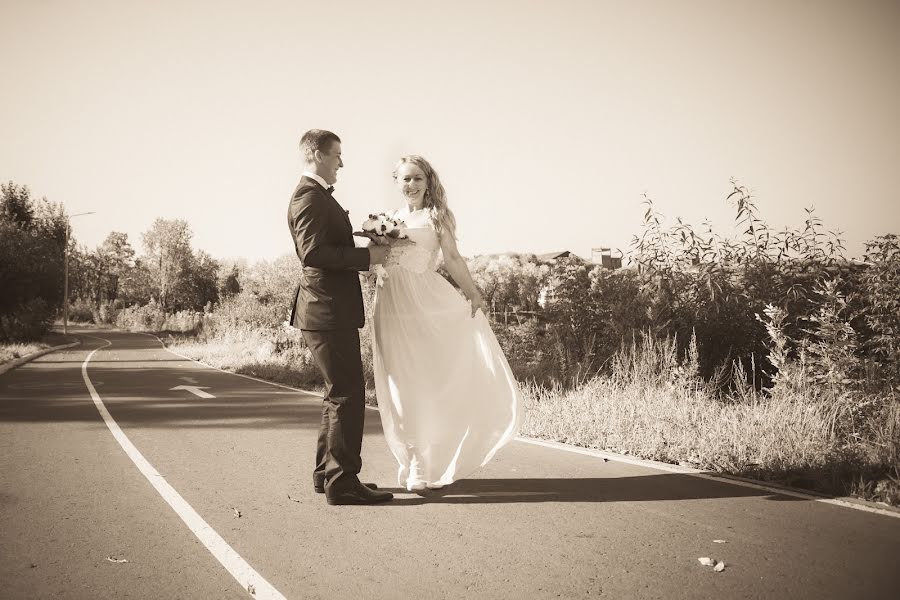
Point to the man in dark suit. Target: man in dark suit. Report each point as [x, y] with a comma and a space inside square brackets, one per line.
[328, 308]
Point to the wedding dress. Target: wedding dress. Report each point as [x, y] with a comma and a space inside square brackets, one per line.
[447, 398]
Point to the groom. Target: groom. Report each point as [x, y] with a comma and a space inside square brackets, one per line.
[328, 309]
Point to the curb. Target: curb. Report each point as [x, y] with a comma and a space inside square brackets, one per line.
[845, 502]
[21, 361]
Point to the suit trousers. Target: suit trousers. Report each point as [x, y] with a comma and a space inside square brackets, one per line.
[338, 461]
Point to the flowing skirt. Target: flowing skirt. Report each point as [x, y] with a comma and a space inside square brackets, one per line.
[447, 398]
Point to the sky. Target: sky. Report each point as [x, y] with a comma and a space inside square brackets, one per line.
[547, 121]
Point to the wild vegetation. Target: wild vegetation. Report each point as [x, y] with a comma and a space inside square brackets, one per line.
[32, 238]
[766, 354]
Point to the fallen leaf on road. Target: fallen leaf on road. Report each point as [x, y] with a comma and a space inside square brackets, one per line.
[251, 588]
[719, 542]
[706, 561]
[237, 513]
[720, 566]
[116, 560]
[292, 499]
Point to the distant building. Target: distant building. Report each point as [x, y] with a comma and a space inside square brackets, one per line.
[550, 256]
[604, 258]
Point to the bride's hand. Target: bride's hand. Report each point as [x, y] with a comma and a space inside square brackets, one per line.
[477, 302]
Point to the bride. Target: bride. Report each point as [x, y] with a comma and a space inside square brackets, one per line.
[447, 398]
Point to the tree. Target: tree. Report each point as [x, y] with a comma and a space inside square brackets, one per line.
[168, 244]
[136, 284]
[32, 238]
[16, 205]
[231, 284]
[509, 282]
[274, 282]
[82, 272]
[115, 258]
[197, 283]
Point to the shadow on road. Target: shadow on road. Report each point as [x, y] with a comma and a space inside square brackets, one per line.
[232, 410]
[143, 397]
[643, 488]
[135, 378]
[100, 363]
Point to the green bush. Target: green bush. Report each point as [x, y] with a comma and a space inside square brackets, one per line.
[81, 312]
[530, 351]
[105, 314]
[32, 247]
[30, 320]
[245, 310]
[875, 300]
[149, 317]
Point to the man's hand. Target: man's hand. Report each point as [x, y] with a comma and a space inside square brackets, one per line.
[377, 254]
[378, 240]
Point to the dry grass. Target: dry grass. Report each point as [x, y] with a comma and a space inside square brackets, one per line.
[10, 352]
[678, 425]
[252, 353]
[652, 407]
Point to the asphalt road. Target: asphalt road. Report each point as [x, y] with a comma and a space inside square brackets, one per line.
[535, 523]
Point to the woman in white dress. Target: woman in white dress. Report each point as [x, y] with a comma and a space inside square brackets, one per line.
[447, 398]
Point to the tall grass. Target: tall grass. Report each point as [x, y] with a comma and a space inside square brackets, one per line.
[11, 352]
[653, 405]
[151, 317]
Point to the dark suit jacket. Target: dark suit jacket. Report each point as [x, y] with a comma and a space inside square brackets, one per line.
[329, 295]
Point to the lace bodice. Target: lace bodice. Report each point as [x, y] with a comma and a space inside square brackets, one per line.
[421, 256]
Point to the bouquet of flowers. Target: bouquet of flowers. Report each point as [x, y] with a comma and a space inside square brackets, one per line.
[382, 224]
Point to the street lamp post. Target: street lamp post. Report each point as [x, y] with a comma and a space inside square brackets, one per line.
[66, 277]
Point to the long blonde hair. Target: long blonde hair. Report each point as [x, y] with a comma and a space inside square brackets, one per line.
[435, 196]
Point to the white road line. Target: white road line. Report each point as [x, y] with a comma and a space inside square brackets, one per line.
[245, 575]
[650, 464]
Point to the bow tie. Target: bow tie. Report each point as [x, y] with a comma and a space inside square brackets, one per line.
[330, 189]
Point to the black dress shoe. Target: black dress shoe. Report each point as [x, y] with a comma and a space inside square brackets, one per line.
[320, 489]
[358, 495]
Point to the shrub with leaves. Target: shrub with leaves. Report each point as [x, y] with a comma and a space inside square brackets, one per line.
[702, 282]
[879, 304]
[149, 317]
[32, 250]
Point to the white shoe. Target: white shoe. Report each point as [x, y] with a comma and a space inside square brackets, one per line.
[414, 481]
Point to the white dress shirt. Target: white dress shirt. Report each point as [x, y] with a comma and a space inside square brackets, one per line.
[315, 177]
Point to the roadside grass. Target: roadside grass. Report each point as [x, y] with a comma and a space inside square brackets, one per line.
[651, 406]
[13, 351]
[252, 355]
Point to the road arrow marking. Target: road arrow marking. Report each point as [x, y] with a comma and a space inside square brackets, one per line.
[196, 390]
